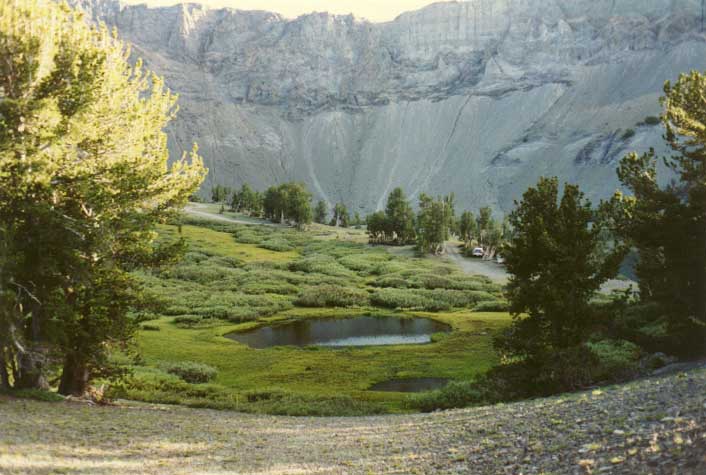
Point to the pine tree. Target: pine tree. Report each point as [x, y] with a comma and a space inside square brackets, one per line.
[376, 224]
[289, 201]
[298, 207]
[433, 224]
[84, 178]
[343, 215]
[357, 220]
[485, 217]
[274, 203]
[220, 193]
[667, 224]
[556, 262]
[467, 227]
[400, 217]
[243, 201]
[340, 216]
[320, 212]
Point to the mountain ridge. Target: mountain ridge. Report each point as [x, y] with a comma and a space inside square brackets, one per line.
[478, 97]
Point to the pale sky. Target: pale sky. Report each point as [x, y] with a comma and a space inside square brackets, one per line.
[374, 10]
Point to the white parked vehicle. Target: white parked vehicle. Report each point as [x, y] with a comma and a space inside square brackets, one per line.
[478, 252]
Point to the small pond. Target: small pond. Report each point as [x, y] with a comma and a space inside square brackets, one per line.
[410, 385]
[336, 332]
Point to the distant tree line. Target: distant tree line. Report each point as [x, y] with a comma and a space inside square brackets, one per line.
[429, 228]
[398, 224]
[433, 224]
[484, 231]
[247, 201]
[288, 202]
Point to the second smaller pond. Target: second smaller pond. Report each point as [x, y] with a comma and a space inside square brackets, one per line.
[410, 385]
[337, 332]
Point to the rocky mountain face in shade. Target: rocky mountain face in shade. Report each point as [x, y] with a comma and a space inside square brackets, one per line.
[479, 97]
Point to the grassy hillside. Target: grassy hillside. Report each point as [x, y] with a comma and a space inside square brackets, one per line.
[236, 276]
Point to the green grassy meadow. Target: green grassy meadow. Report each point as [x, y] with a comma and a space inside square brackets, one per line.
[235, 277]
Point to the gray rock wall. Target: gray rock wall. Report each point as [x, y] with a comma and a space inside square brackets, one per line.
[479, 97]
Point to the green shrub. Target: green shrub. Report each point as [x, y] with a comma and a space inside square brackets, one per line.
[150, 328]
[176, 310]
[447, 298]
[191, 372]
[142, 317]
[389, 267]
[366, 262]
[398, 298]
[233, 306]
[320, 264]
[225, 261]
[618, 359]
[566, 370]
[556, 372]
[248, 236]
[156, 386]
[643, 324]
[454, 395]
[300, 405]
[444, 270]
[652, 120]
[432, 281]
[429, 300]
[187, 320]
[332, 296]
[492, 306]
[277, 245]
[194, 257]
[201, 273]
[242, 314]
[269, 287]
[395, 282]
[35, 394]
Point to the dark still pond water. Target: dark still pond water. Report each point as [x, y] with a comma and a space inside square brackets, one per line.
[410, 385]
[358, 331]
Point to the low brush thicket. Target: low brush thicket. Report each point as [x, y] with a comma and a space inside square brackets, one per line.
[428, 300]
[211, 283]
[332, 296]
[191, 372]
[599, 362]
[235, 274]
[159, 386]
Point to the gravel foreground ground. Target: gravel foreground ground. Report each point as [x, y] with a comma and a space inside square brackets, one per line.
[652, 426]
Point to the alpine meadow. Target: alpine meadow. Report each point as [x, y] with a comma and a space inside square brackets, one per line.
[471, 239]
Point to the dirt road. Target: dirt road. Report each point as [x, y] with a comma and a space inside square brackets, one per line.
[490, 269]
[497, 272]
[201, 210]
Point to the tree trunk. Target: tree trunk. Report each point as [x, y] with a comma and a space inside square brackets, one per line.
[13, 367]
[74, 377]
[33, 361]
[4, 375]
[31, 369]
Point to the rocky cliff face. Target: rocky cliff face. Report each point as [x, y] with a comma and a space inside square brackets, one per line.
[478, 97]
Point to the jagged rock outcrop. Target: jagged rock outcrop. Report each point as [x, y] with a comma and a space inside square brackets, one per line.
[478, 97]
